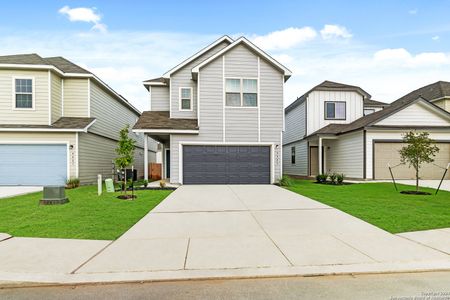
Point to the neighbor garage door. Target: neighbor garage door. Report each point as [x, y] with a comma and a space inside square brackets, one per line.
[226, 164]
[33, 164]
[385, 153]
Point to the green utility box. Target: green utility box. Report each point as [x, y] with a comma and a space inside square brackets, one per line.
[109, 185]
[54, 195]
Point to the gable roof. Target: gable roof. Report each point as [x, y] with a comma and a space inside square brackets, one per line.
[328, 86]
[224, 38]
[370, 102]
[61, 66]
[239, 41]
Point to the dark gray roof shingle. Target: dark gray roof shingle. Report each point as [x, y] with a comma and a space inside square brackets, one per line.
[161, 120]
[370, 102]
[65, 65]
[61, 123]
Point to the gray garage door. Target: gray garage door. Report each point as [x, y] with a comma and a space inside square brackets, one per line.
[33, 164]
[226, 164]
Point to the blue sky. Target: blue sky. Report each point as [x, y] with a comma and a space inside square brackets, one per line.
[387, 47]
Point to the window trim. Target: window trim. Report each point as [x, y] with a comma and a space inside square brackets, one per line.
[180, 98]
[293, 154]
[364, 111]
[335, 119]
[33, 95]
[241, 93]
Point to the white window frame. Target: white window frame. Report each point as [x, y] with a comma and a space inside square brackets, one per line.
[241, 79]
[33, 98]
[180, 98]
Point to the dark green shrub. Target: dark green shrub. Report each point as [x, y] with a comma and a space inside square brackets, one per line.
[285, 181]
[322, 178]
[340, 178]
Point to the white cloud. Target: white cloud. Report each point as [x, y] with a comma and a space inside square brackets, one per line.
[285, 39]
[401, 57]
[334, 31]
[435, 38]
[84, 14]
[413, 11]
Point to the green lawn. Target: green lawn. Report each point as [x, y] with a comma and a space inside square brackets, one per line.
[86, 216]
[382, 206]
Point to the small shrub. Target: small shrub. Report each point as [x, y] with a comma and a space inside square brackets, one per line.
[72, 183]
[333, 177]
[145, 182]
[285, 181]
[322, 178]
[340, 178]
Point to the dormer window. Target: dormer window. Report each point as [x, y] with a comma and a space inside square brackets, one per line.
[185, 98]
[241, 92]
[335, 110]
[23, 93]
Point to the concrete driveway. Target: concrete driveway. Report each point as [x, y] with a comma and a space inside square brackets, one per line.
[251, 227]
[11, 191]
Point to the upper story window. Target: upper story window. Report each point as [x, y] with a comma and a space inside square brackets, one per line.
[368, 111]
[335, 110]
[241, 92]
[23, 93]
[185, 98]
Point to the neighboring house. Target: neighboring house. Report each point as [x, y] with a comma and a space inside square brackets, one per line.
[219, 115]
[59, 121]
[327, 132]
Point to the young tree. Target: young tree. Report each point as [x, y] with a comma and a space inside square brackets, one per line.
[125, 151]
[418, 150]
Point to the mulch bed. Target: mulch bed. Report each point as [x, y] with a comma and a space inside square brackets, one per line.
[336, 184]
[127, 197]
[415, 193]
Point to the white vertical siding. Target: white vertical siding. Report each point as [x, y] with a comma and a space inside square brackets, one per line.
[416, 114]
[36, 116]
[159, 98]
[316, 108]
[301, 159]
[76, 97]
[346, 155]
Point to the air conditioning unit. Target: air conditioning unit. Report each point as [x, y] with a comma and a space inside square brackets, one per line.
[54, 195]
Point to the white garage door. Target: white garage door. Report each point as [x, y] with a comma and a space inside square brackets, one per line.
[385, 153]
[24, 164]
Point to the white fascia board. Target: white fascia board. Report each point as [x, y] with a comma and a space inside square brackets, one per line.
[287, 72]
[196, 55]
[155, 83]
[169, 131]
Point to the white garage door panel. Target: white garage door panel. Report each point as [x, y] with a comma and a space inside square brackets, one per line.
[388, 153]
[37, 164]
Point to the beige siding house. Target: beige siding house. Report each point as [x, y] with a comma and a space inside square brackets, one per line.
[219, 115]
[59, 121]
[338, 128]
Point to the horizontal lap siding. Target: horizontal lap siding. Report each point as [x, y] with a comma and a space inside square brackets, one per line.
[75, 97]
[36, 116]
[346, 155]
[295, 124]
[301, 159]
[183, 78]
[241, 125]
[240, 62]
[56, 97]
[159, 98]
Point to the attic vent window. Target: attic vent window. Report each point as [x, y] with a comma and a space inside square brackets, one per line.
[23, 97]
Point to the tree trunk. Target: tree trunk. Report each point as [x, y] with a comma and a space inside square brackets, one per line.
[417, 179]
[125, 182]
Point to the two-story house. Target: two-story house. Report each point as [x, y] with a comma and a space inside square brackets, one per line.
[59, 121]
[337, 128]
[219, 115]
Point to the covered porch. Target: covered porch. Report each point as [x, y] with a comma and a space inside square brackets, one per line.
[319, 161]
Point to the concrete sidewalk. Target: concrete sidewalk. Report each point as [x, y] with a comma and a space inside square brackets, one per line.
[11, 191]
[225, 231]
[438, 239]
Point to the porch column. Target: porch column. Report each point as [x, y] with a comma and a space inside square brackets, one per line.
[145, 156]
[320, 155]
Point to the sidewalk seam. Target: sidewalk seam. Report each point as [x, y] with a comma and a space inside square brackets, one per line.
[92, 257]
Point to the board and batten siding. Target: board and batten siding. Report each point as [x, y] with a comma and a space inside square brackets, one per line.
[295, 124]
[76, 97]
[346, 155]
[183, 78]
[159, 98]
[241, 124]
[43, 138]
[301, 159]
[111, 115]
[394, 135]
[316, 108]
[97, 155]
[56, 97]
[416, 114]
[36, 116]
